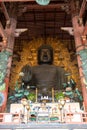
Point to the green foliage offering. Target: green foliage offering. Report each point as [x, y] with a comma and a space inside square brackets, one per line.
[78, 94]
[26, 93]
[18, 94]
[2, 87]
[31, 97]
[59, 95]
[64, 85]
[16, 87]
[69, 94]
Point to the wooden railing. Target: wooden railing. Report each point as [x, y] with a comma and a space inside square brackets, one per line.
[75, 117]
[68, 117]
[6, 118]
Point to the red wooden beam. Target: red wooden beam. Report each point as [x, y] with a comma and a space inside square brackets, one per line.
[85, 30]
[36, 6]
[2, 32]
[79, 46]
[5, 11]
[82, 8]
[9, 47]
[78, 31]
[84, 34]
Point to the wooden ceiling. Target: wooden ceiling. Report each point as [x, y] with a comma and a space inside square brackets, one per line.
[45, 21]
[40, 21]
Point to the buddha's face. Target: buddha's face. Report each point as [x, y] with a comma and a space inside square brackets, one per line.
[45, 55]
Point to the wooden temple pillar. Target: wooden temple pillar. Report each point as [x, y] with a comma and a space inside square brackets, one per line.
[80, 45]
[7, 50]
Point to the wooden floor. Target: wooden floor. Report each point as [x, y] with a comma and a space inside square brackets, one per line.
[49, 126]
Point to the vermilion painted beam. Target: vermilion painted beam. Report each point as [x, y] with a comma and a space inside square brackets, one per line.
[10, 46]
[79, 46]
[84, 35]
[36, 6]
[82, 8]
[57, 5]
[2, 32]
[85, 30]
[5, 11]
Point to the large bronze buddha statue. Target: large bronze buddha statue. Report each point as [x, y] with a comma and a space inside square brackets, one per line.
[45, 75]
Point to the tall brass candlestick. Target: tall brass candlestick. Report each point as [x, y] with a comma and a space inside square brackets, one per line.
[36, 94]
[52, 94]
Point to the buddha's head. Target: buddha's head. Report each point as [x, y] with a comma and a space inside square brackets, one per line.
[45, 54]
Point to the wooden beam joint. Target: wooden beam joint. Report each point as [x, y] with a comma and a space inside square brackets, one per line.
[82, 10]
[2, 32]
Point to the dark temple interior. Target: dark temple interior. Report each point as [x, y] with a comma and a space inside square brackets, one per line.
[43, 54]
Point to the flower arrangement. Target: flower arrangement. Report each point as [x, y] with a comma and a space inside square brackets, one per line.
[59, 95]
[31, 97]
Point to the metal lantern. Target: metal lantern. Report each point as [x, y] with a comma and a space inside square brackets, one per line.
[43, 2]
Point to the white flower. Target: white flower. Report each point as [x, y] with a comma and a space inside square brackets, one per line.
[21, 74]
